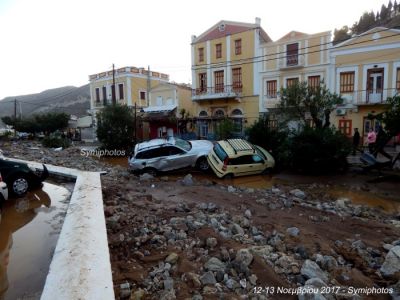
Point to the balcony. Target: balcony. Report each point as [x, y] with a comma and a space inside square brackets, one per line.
[218, 92]
[291, 62]
[368, 97]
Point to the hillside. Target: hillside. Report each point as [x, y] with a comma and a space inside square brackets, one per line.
[69, 99]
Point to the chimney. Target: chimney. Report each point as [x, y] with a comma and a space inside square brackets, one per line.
[258, 21]
[193, 38]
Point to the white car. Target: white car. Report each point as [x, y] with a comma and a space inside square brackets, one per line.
[160, 155]
[3, 190]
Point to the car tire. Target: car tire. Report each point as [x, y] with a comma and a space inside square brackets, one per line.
[267, 171]
[151, 171]
[18, 185]
[202, 164]
[228, 176]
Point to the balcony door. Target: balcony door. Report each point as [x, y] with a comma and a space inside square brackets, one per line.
[292, 54]
[375, 85]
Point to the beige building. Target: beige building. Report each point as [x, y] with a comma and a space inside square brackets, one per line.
[295, 57]
[225, 70]
[366, 71]
[157, 101]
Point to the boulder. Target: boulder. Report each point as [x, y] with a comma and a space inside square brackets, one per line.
[392, 262]
[311, 270]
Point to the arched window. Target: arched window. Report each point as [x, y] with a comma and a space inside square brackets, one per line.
[237, 113]
[203, 113]
[219, 113]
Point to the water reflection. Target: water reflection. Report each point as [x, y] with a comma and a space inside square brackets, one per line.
[24, 231]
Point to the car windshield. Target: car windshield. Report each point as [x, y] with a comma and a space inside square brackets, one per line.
[185, 145]
[260, 152]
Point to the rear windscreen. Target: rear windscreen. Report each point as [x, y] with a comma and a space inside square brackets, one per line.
[220, 152]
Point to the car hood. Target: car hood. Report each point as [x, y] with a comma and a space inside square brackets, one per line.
[201, 145]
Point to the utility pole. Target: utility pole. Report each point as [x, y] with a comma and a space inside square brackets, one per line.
[148, 86]
[135, 125]
[15, 116]
[114, 100]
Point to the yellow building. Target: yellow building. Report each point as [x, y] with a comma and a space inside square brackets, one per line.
[226, 60]
[295, 57]
[366, 71]
[156, 99]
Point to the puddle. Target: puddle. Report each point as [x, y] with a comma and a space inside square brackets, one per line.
[29, 230]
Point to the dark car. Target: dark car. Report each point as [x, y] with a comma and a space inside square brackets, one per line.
[21, 177]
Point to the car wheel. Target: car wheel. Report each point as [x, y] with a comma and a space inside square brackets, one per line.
[267, 171]
[202, 164]
[228, 176]
[150, 171]
[19, 185]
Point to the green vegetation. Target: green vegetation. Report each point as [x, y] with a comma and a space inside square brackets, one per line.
[116, 127]
[225, 129]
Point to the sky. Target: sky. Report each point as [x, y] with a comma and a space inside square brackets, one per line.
[47, 44]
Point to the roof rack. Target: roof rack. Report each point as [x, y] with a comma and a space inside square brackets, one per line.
[240, 145]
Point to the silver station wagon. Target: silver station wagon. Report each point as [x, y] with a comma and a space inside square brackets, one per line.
[160, 155]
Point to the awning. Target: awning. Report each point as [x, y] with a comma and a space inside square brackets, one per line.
[160, 108]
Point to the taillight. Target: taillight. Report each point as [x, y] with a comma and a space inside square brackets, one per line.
[224, 167]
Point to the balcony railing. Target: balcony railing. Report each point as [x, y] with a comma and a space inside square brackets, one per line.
[217, 92]
[292, 61]
[368, 97]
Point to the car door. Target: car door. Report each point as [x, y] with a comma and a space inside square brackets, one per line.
[258, 165]
[242, 165]
[176, 158]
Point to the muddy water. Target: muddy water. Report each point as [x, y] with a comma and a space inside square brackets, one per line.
[29, 230]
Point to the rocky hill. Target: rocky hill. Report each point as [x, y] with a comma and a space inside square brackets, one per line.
[69, 99]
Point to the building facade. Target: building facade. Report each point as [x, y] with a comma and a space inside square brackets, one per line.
[296, 57]
[366, 71]
[155, 99]
[225, 70]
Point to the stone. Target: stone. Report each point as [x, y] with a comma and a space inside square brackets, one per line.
[231, 189]
[172, 258]
[236, 229]
[211, 207]
[168, 284]
[125, 290]
[137, 295]
[314, 284]
[310, 270]
[187, 180]
[298, 193]
[253, 279]
[145, 177]
[211, 242]
[214, 264]
[247, 214]
[293, 231]
[192, 279]
[341, 203]
[208, 278]
[232, 284]
[387, 246]
[391, 264]
[244, 256]
[329, 263]
[275, 191]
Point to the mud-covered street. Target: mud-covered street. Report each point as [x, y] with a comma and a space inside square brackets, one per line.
[183, 237]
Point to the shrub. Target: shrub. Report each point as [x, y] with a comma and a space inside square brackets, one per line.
[319, 150]
[53, 141]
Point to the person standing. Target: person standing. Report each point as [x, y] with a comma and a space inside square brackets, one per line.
[371, 139]
[356, 140]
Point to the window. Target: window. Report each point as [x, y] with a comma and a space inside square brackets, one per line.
[218, 50]
[202, 83]
[238, 46]
[237, 79]
[241, 160]
[347, 82]
[345, 127]
[271, 88]
[97, 95]
[201, 54]
[314, 82]
[219, 81]
[219, 113]
[398, 80]
[203, 129]
[121, 91]
[142, 95]
[292, 54]
[203, 113]
[104, 92]
[291, 82]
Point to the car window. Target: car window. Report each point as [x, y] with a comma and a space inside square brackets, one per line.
[260, 152]
[147, 154]
[242, 160]
[174, 151]
[257, 159]
[183, 144]
[220, 152]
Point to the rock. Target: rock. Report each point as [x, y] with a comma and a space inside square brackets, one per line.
[247, 214]
[211, 207]
[187, 180]
[236, 229]
[287, 202]
[137, 295]
[146, 177]
[341, 203]
[172, 258]
[275, 191]
[168, 295]
[232, 284]
[293, 231]
[125, 290]
[387, 246]
[298, 193]
[231, 189]
[358, 244]
[329, 263]
[211, 242]
[311, 270]
[301, 250]
[314, 284]
[225, 255]
[244, 256]
[192, 279]
[168, 284]
[197, 297]
[208, 278]
[214, 264]
[392, 262]
[253, 279]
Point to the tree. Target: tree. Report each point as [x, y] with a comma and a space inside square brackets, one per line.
[225, 128]
[300, 100]
[341, 35]
[116, 127]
